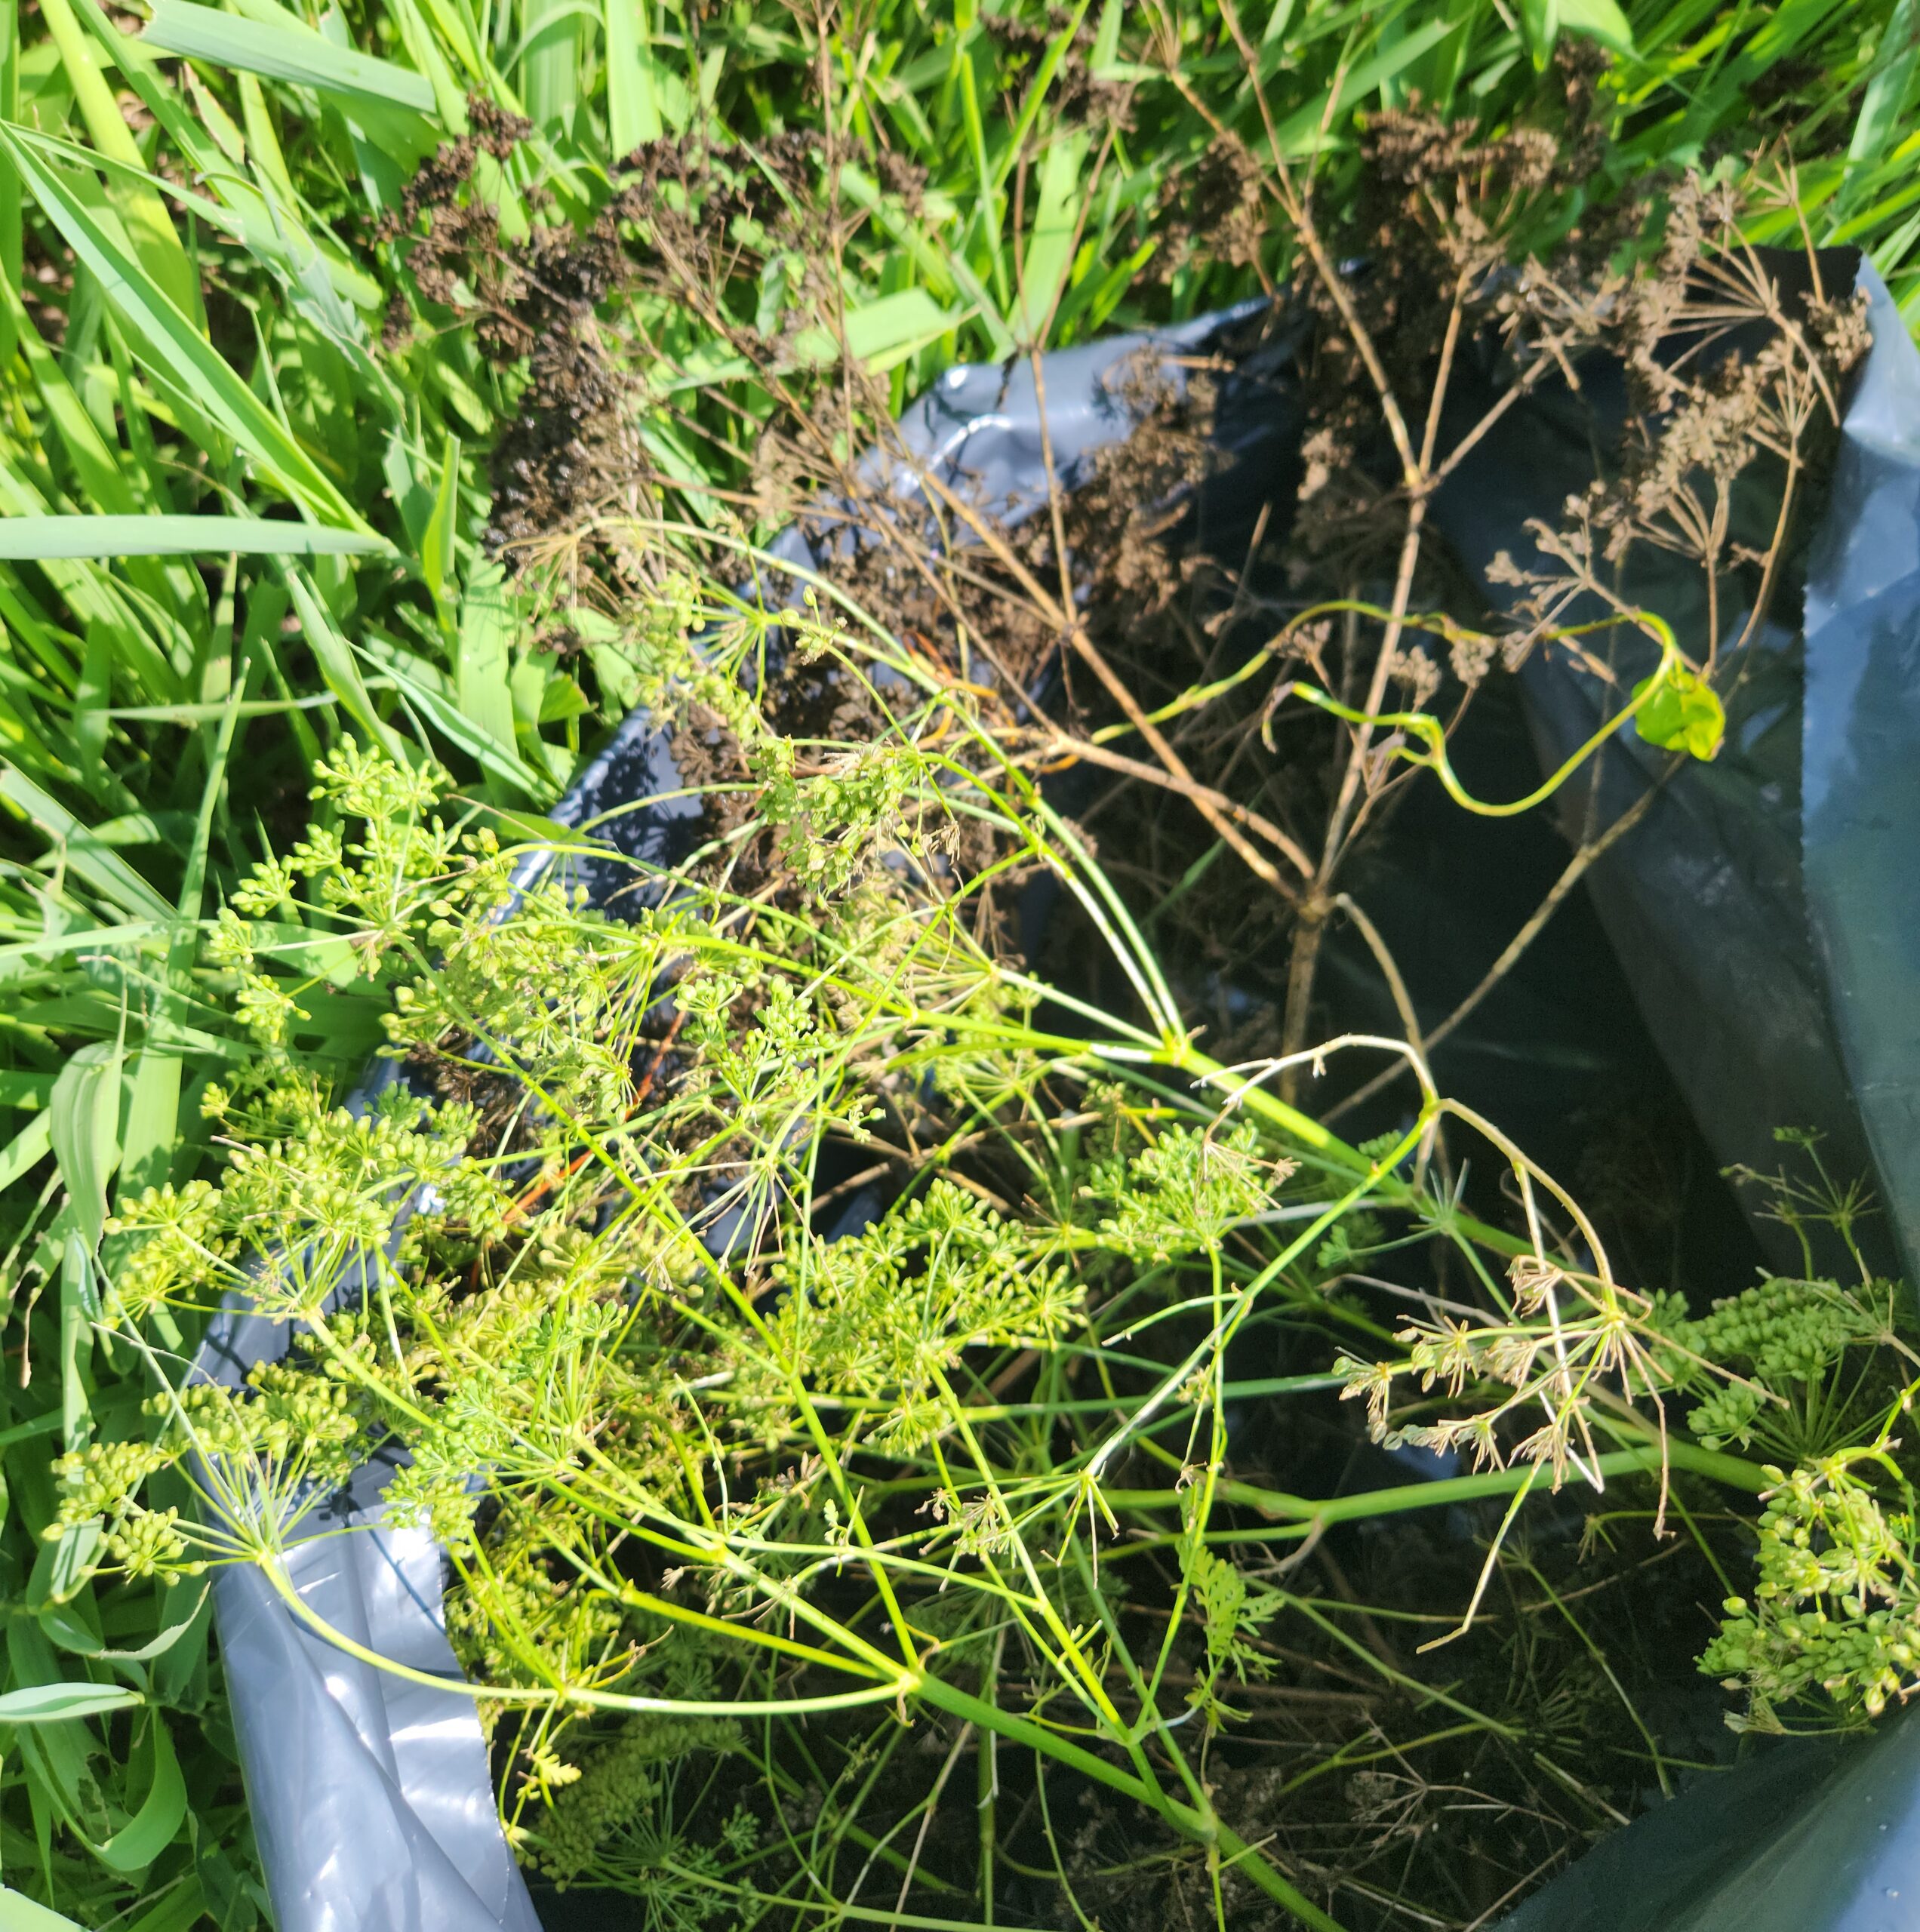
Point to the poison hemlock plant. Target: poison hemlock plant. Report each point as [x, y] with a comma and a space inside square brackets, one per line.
[1822, 1377]
[738, 1477]
[1818, 1376]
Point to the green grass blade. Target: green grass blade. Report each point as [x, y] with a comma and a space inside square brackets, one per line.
[278, 47]
[57, 1703]
[334, 656]
[480, 663]
[34, 539]
[148, 224]
[26, 1150]
[437, 540]
[427, 690]
[1883, 117]
[12, 235]
[83, 1113]
[97, 865]
[551, 62]
[633, 113]
[18, 1913]
[1052, 239]
[149, 1832]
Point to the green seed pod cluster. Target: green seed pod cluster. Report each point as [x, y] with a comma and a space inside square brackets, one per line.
[1835, 1608]
[1788, 1331]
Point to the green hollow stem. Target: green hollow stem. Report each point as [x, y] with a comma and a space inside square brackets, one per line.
[1365, 1504]
[1432, 732]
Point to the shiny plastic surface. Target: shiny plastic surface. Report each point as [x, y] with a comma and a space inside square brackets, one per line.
[1806, 1836]
[1860, 760]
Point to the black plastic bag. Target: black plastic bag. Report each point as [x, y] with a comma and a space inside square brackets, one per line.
[1778, 971]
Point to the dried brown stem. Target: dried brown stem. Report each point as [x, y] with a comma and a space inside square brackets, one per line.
[1065, 745]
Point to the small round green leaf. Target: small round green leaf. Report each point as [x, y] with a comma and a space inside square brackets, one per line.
[1684, 713]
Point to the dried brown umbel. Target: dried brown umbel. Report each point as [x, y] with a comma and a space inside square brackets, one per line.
[1078, 95]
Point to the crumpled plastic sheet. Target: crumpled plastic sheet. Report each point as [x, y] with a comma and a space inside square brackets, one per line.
[1765, 914]
[1815, 1835]
[371, 1796]
[1860, 759]
[1726, 931]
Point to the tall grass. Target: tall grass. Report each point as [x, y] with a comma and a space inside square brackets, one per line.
[242, 520]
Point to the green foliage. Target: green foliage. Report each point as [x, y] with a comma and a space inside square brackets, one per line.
[600, 1801]
[1835, 1608]
[1814, 1372]
[1784, 1339]
[222, 321]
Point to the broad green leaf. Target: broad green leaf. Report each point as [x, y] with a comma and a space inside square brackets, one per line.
[149, 226]
[1067, 27]
[880, 333]
[427, 689]
[144, 828]
[26, 1149]
[186, 1906]
[334, 656]
[263, 142]
[1540, 21]
[1883, 118]
[1597, 19]
[1054, 236]
[34, 539]
[1684, 713]
[449, 102]
[149, 1832]
[19, 1087]
[277, 46]
[437, 541]
[67, 1630]
[79, 1310]
[101, 867]
[551, 64]
[480, 666]
[1300, 134]
[56, 1703]
[84, 1113]
[152, 1115]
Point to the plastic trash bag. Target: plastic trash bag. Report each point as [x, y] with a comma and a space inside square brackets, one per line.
[1772, 951]
[1768, 913]
[1812, 1834]
[371, 1794]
